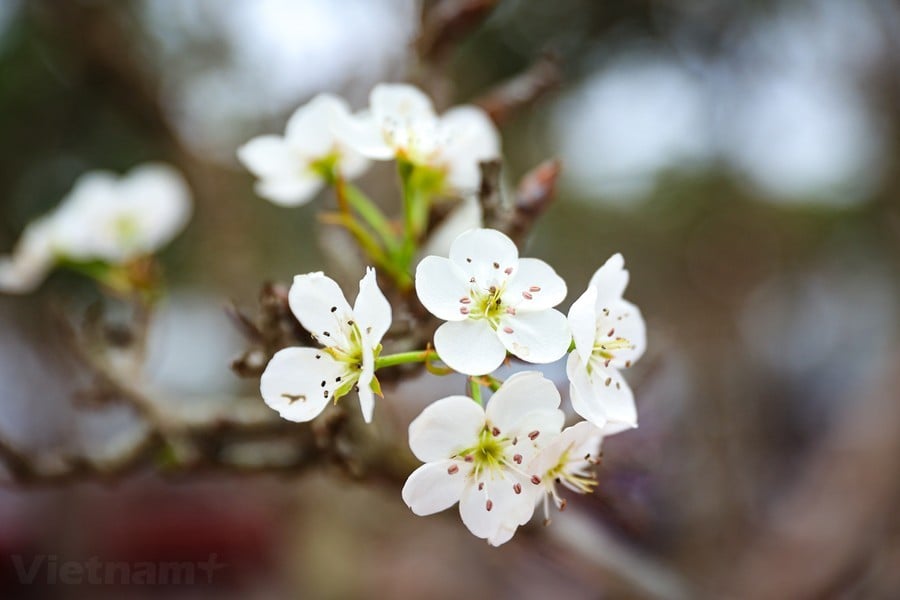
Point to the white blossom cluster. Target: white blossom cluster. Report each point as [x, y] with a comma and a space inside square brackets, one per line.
[498, 461]
[105, 220]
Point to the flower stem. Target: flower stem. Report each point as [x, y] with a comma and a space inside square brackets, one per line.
[370, 213]
[401, 358]
[476, 390]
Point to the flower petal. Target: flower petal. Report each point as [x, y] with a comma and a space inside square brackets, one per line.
[432, 487]
[319, 304]
[622, 320]
[269, 156]
[445, 427]
[362, 134]
[308, 131]
[371, 311]
[610, 280]
[477, 250]
[583, 322]
[534, 286]
[525, 394]
[537, 337]
[507, 511]
[469, 346]
[293, 191]
[470, 138]
[440, 285]
[603, 397]
[292, 383]
[364, 384]
[399, 102]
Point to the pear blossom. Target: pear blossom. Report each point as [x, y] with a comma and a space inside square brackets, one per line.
[104, 218]
[401, 123]
[479, 457]
[116, 219]
[294, 167]
[567, 460]
[299, 382]
[609, 335]
[493, 302]
[31, 260]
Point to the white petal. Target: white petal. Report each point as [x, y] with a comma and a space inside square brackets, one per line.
[158, 199]
[364, 383]
[292, 382]
[432, 488]
[319, 304]
[508, 509]
[308, 131]
[351, 164]
[466, 215]
[446, 427]
[624, 320]
[269, 156]
[469, 346]
[440, 285]
[470, 138]
[575, 442]
[476, 251]
[610, 280]
[583, 322]
[371, 310]
[31, 260]
[293, 191]
[521, 395]
[362, 134]
[537, 337]
[534, 286]
[399, 102]
[597, 402]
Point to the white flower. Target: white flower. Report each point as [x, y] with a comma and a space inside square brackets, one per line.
[104, 218]
[299, 382]
[609, 335]
[479, 457]
[401, 123]
[567, 459]
[31, 260]
[116, 219]
[293, 168]
[493, 302]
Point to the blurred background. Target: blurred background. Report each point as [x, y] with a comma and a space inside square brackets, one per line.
[742, 155]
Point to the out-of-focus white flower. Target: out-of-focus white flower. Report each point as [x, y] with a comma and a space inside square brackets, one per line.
[480, 458]
[493, 301]
[567, 459]
[104, 218]
[401, 123]
[299, 382]
[31, 260]
[115, 219]
[294, 167]
[609, 335]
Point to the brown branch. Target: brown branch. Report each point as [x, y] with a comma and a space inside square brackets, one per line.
[448, 22]
[522, 91]
[533, 196]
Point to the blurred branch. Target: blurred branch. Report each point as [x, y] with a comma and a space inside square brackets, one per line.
[820, 532]
[449, 21]
[522, 91]
[534, 194]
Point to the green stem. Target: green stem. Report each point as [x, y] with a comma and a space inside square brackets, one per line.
[401, 358]
[369, 211]
[476, 390]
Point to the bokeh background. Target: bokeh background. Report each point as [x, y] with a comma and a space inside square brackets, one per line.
[742, 155]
